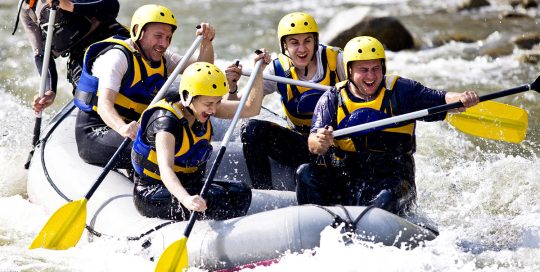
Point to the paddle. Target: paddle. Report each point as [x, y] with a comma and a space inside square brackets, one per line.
[175, 258]
[65, 227]
[44, 73]
[492, 120]
[487, 120]
[442, 108]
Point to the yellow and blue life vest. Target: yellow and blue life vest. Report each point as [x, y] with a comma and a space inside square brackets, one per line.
[396, 137]
[139, 85]
[190, 155]
[299, 102]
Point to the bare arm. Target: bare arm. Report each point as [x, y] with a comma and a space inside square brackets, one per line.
[254, 100]
[233, 73]
[165, 155]
[320, 141]
[468, 98]
[206, 50]
[110, 116]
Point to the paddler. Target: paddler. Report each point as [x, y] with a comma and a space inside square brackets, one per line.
[374, 168]
[173, 146]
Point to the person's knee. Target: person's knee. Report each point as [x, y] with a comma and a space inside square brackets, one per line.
[385, 200]
[308, 184]
[304, 175]
[251, 131]
[228, 199]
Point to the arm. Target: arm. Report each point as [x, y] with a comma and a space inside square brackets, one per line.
[206, 50]
[110, 116]
[468, 98]
[165, 155]
[253, 104]
[320, 141]
[233, 73]
[33, 33]
[322, 125]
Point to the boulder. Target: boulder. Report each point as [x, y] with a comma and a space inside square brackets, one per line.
[524, 3]
[527, 40]
[359, 22]
[473, 4]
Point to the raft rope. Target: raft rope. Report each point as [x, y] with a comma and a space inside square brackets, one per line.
[55, 121]
[349, 225]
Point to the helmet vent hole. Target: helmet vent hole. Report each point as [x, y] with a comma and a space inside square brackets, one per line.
[209, 72]
[372, 49]
[162, 14]
[214, 86]
[360, 51]
[293, 25]
[305, 23]
[198, 70]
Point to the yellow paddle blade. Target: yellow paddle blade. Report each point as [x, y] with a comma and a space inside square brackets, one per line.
[174, 258]
[65, 227]
[492, 120]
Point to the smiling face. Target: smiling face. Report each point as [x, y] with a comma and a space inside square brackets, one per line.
[367, 75]
[155, 39]
[204, 106]
[300, 48]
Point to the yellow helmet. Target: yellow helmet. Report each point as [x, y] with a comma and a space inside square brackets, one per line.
[296, 23]
[202, 78]
[363, 48]
[150, 14]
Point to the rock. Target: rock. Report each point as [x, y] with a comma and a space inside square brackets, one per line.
[356, 22]
[513, 15]
[446, 38]
[527, 40]
[473, 4]
[524, 3]
[530, 57]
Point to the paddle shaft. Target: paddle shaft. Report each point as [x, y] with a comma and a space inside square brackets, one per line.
[286, 80]
[112, 162]
[44, 75]
[224, 142]
[423, 113]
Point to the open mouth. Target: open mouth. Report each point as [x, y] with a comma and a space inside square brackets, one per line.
[369, 83]
[205, 116]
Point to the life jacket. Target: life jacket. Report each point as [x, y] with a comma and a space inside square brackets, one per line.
[299, 102]
[392, 138]
[140, 83]
[190, 155]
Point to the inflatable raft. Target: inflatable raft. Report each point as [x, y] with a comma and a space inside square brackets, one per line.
[274, 224]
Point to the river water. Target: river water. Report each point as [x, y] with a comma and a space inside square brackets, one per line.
[482, 193]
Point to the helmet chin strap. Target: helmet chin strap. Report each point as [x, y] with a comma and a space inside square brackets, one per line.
[139, 49]
[312, 57]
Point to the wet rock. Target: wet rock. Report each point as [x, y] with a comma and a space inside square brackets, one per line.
[473, 4]
[524, 3]
[496, 45]
[360, 21]
[446, 38]
[530, 57]
[513, 15]
[527, 40]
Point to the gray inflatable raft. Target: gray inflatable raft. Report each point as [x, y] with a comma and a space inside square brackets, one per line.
[274, 223]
